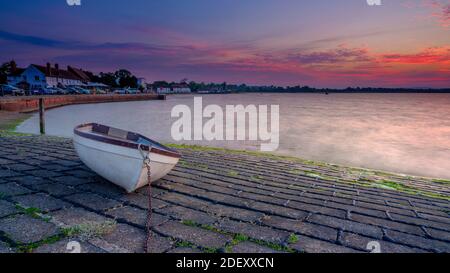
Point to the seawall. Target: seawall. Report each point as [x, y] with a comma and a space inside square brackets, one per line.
[30, 104]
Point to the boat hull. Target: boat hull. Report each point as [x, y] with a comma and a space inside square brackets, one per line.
[122, 166]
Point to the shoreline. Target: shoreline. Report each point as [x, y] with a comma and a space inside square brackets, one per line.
[360, 176]
[10, 120]
[418, 91]
[31, 104]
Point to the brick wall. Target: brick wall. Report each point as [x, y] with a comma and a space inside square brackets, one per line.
[29, 104]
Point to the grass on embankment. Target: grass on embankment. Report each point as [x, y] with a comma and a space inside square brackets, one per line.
[9, 122]
[349, 175]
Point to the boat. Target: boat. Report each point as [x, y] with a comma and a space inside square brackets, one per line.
[118, 155]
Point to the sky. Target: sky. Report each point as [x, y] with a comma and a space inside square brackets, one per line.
[320, 43]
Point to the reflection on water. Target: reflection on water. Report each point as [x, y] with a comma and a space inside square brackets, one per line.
[407, 133]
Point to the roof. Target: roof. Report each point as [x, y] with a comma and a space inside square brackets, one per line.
[180, 85]
[17, 72]
[71, 73]
[96, 84]
[60, 73]
[79, 73]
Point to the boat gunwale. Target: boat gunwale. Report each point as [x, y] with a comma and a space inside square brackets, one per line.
[119, 154]
[124, 143]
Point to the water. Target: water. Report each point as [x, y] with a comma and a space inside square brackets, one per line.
[405, 133]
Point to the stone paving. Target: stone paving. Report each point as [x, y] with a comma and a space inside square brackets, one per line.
[215, 201]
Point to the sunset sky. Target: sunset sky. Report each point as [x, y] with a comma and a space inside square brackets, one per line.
[321, 43]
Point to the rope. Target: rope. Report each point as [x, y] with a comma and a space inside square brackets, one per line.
[146, 160]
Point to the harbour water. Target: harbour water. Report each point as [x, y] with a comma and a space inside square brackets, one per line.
[405, 133]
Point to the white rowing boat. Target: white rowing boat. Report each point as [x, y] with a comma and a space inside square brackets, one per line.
[117, 155]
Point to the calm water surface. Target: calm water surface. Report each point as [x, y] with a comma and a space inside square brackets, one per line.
[406, 133]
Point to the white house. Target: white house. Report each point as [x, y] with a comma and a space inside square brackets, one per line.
[141, 82]
[37, 76]
[163, 90]
[181, 88]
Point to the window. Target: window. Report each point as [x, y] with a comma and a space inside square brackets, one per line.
[36, 78]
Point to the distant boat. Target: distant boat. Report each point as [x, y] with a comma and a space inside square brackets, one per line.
[115, 155]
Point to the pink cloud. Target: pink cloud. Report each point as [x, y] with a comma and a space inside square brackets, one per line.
[341, 66]
[435, 55]
[436, 10]
[341, 54]
[440, 11]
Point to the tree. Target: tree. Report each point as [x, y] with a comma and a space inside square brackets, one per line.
[161, 83]
[130, 81]
[122, 73]
[125, 79]
[5, 70]
[108, 79]
[194, 86]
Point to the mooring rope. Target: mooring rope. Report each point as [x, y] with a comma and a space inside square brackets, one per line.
[146, 160]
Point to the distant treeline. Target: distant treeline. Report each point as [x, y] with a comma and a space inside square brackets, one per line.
[121, 78]
[124, 78]
[365, 90]
[224, 87]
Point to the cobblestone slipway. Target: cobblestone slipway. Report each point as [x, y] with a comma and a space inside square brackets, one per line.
[214, 201]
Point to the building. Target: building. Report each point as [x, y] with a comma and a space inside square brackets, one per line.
[15, 77]
[181, 88]
[163, 90]
[141, 82]
[16, 74]
[85, 79]
[37, 76]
